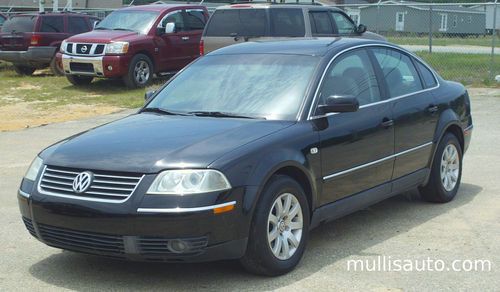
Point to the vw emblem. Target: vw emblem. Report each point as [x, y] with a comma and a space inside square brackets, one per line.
[82, 182]
[84, 49]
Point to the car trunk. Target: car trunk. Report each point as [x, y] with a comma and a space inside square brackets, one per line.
[17, 33]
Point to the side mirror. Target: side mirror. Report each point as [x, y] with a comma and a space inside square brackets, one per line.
[361, 28]
[95, 24]
[149, 94]
[339, 104]
[170, 27]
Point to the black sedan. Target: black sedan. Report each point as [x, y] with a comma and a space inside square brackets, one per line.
[248, 148]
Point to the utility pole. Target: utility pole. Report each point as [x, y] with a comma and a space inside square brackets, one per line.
[41, 6]
[55, 5]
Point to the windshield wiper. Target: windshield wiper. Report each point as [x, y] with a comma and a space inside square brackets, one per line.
[217, 114]
[163, 111]
[101, 28]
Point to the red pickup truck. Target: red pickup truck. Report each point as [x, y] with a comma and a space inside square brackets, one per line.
[134, 43]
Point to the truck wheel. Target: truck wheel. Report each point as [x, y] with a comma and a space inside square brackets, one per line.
[24, 70]
[446, 171]
[79, 80]
[280, 228]
[56, 68]
[140, 72]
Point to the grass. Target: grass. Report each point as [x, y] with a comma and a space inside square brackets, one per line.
[468, 69]
[53, 91]
[485, 41]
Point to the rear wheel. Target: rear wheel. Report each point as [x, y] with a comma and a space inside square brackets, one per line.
[446, 171]
[24, 70]
[56, 68]
[79, 80]
[279, 230]
[140, 72]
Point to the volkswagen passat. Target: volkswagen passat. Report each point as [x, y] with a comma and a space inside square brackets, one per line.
[247, 149]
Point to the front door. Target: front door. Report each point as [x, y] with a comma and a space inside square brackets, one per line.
[414, 108]
[174, 48]
[356, 148]
[400, 21]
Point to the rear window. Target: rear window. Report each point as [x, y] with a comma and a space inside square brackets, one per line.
[19, 24]
[52, 24]
[241, 22]
[287, 22]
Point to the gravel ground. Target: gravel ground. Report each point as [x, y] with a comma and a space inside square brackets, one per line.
[403, 228]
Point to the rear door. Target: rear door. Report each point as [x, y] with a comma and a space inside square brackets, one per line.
[195, 20]
[414, 107]
[356, 148]
[16, 33]
[52, 30]
[230, 26]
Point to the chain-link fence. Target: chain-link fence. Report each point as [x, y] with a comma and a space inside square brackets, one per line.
[458, 40]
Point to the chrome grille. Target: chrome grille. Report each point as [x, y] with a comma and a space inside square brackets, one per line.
[82, 49]
[106, 186]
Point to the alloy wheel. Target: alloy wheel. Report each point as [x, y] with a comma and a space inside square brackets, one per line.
[285, 223]
[141, 72]
[450, 167]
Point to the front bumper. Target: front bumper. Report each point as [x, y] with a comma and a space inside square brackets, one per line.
[34, 56]
[140, 229]
[97, 66]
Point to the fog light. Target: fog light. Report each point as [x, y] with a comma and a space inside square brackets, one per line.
[110, 68]
[178, 246]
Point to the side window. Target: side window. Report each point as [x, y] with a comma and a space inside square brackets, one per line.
[77, 24]
[351, 74]
[287, 22]
[427, 76]
[344, 24]
[175, 17]
[398, 70]
[320, 23]
[52, 24]
[195, 19]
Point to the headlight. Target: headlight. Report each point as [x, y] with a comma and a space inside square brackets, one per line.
[35, 166]
[117, 48]
[62, 49]
[189, 181]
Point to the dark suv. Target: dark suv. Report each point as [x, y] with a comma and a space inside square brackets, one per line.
[240, 22]
[30, 41]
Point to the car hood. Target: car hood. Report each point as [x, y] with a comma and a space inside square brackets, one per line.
[102, 36]
[148, 143]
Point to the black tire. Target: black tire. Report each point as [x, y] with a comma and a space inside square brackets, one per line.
[435, 191]
[259, 258]
[79, 80]
[55, 68]
[133, 79]
[24, 70]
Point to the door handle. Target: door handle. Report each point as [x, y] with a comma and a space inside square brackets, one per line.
[432, 108]
[387, 123]
[185, 38]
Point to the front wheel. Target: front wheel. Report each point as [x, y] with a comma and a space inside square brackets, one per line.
[279, 230]
[140, 72]
[56, 67]
[446, 171]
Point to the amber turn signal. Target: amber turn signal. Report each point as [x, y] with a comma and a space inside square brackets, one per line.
[223, 209]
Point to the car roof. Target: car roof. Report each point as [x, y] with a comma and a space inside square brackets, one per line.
[273, 5]
[159, 7]
[50, 14]
[303, 46]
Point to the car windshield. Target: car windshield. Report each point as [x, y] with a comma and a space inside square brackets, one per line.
[19, 24]
[138, 21]
[267, 86]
